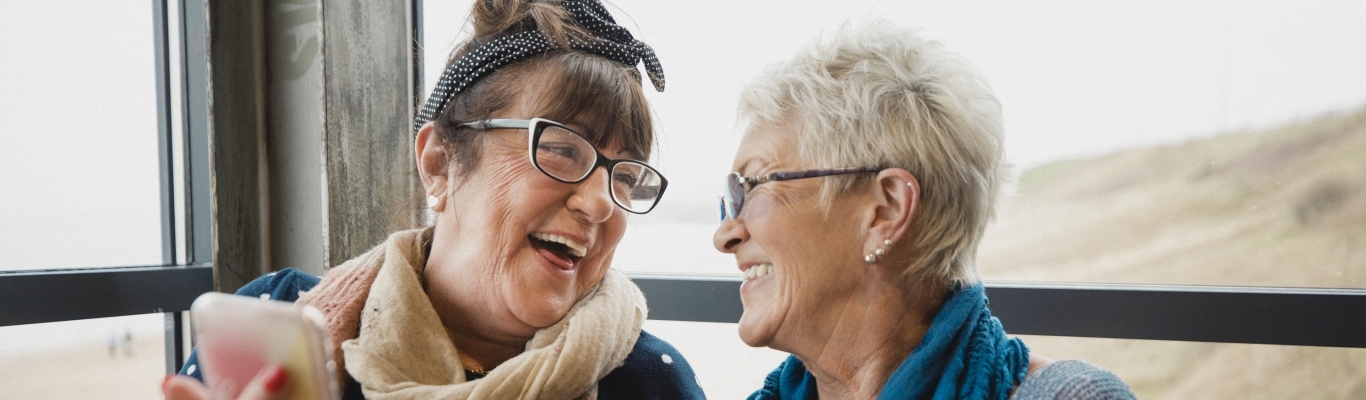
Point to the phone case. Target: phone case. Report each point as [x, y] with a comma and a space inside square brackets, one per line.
[237, 335]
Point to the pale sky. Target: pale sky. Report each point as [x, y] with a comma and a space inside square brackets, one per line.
[1076, 79]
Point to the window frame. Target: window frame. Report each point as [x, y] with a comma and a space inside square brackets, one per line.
[1249, 315]
[57, 295]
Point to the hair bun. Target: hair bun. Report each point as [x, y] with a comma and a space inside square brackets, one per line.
[496, 17]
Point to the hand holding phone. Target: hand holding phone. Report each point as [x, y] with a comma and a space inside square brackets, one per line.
[237, 336]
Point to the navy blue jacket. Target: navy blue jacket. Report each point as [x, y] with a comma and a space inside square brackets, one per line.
[653, 370]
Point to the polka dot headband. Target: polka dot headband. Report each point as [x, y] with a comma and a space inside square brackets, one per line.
[612, 41]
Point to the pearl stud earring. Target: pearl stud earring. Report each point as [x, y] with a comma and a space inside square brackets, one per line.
[877, 254]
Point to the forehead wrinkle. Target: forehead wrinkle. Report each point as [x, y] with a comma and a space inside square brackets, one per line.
[764, 154]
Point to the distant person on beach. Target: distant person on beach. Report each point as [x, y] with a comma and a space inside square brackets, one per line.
[532, 150]
[127, 342]
[869, 168]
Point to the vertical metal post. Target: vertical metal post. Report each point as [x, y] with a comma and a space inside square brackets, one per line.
[195, 109]
[175, 342]
[162, 53]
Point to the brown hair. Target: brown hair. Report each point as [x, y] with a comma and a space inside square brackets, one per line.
[604, 96]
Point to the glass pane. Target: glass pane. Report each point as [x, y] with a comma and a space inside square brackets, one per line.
[79, 164]
[1211, 143]
[729, 369]
[726, 367]
[104, 358]
[1190, 370]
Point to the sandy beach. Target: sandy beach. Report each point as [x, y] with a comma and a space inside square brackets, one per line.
[87, 371]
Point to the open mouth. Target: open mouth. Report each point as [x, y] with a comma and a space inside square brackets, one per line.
[560, 247]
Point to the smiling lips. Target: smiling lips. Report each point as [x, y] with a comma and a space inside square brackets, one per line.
[565, 252]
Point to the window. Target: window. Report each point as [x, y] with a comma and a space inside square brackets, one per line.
[1177, 144]
[80, 122]
[94, 229]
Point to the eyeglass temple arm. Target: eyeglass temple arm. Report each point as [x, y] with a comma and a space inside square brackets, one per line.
[789, 175]
[499, 124]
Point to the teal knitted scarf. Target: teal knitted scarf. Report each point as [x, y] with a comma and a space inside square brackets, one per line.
[964, 355]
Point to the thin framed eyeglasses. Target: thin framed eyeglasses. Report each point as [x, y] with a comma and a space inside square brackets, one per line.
[566, 156]
[734, 200]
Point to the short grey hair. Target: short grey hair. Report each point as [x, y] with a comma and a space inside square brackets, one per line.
[878, 95]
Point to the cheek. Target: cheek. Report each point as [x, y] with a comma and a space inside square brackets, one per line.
[810, 255]
[610, 235]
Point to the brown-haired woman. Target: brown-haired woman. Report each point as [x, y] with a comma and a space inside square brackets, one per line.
[532, 151]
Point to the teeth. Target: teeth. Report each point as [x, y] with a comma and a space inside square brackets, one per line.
[758, 270]
[577, 250]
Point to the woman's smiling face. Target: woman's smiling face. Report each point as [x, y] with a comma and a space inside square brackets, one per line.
[797, 260]
[528, 246]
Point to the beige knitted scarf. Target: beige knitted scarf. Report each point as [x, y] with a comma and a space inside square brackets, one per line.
[387, 336]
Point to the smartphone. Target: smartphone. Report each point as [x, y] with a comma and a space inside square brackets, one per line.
[236, 336]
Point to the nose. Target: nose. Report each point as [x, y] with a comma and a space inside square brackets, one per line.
[730, 235]
[591, 199]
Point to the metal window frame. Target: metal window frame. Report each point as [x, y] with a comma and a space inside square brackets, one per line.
[40, 296]
[1250, 315]
[1276, 316]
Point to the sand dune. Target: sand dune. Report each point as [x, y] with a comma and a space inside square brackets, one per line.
[1284, 207]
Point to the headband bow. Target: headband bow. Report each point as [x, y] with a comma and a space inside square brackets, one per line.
[613, 42]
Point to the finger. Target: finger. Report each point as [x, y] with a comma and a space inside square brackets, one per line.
[272, 383]
[181, 387]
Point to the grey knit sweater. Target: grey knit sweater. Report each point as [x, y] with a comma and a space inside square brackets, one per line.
[1072, 379]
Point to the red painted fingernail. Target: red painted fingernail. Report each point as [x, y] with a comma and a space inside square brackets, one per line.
[275, 379]
[165, 381]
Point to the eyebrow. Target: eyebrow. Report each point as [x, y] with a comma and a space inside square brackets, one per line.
[750, 163]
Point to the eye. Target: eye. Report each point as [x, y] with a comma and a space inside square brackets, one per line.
[749, 186]
[561, 149]
[626, 178]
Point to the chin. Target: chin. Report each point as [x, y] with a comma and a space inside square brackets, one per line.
[541, 318]
[752, 331]
[540, 308]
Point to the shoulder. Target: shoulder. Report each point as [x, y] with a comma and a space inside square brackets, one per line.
[282, 285]
[653, 370]
[1072, 379]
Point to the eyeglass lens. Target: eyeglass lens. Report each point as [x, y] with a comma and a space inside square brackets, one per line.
[735, 196]
[569, 157]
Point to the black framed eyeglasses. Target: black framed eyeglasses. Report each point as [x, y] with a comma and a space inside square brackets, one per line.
[566, 156]
[736, 188]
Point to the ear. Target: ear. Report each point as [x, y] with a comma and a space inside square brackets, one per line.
[896, 195]
[432, 164]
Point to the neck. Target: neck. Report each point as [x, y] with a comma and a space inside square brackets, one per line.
[465, 314]
[480, 353]
[876, 329]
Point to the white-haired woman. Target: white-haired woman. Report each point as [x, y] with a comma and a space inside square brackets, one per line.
[870, 166]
